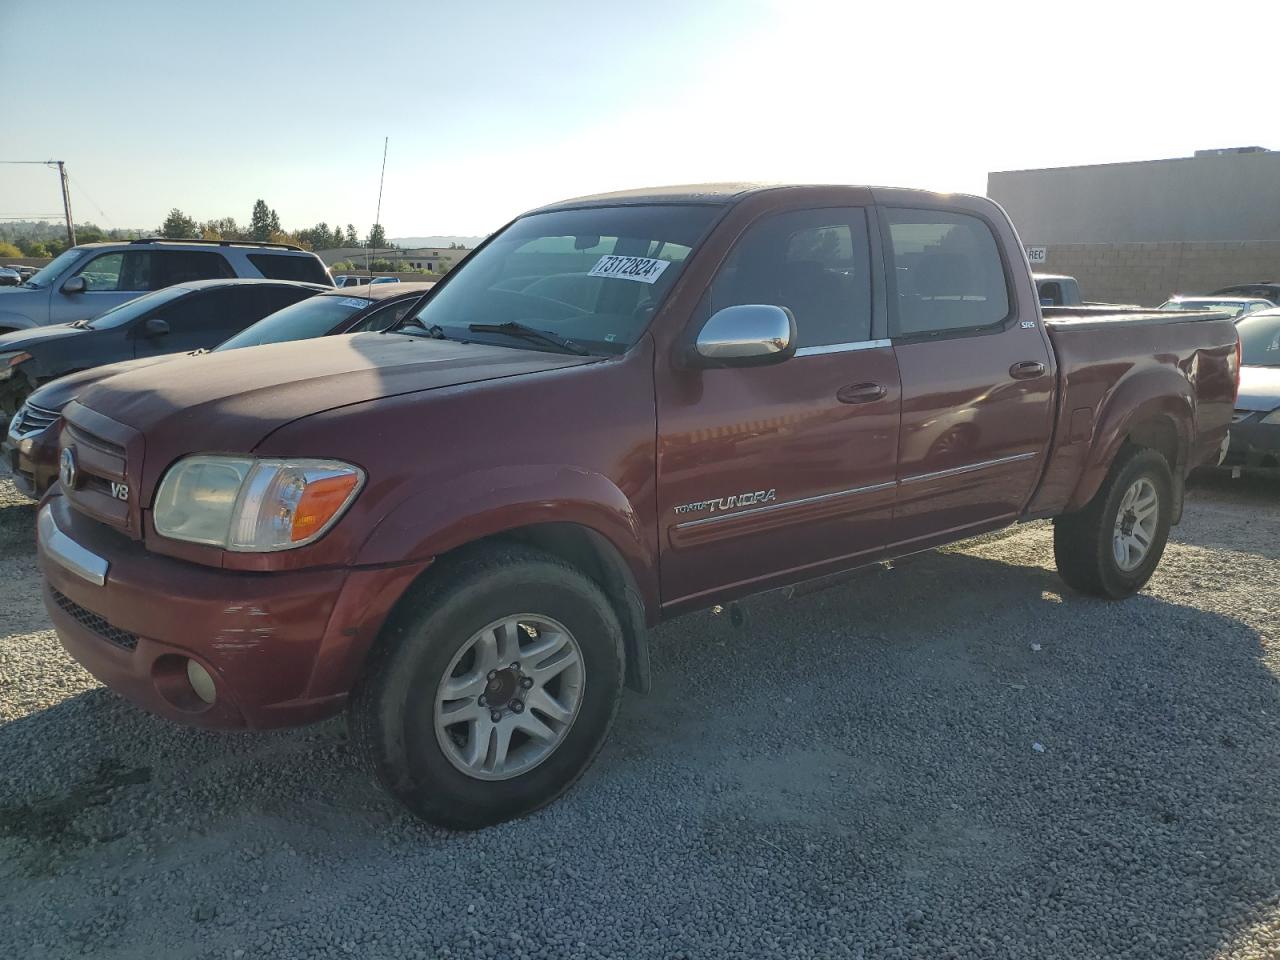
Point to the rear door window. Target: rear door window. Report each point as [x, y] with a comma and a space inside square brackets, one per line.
[945, 273]
[283, 266]
[183, 266]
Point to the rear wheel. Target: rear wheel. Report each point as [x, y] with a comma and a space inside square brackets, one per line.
[492, 690]
[1112, 546]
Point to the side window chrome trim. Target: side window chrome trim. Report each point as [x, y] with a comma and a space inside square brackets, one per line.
[842, 347]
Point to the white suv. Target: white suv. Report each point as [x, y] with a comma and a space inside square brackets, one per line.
[89, 279]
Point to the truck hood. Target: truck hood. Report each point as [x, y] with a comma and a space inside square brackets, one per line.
[1259, 388]
[58, 393]
[231, 400]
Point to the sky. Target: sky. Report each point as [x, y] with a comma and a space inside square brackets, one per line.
[496, 106]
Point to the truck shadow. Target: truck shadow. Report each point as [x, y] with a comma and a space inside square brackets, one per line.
[880, 735]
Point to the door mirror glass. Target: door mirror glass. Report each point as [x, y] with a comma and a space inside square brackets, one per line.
[749, 334]
[154, 327]
[75, 285]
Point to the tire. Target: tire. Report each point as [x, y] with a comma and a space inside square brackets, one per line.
[12, 395]
[397, 714]
[1084, 543]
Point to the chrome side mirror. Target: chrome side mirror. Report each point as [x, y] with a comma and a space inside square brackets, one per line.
[75, 285]
[746, 335]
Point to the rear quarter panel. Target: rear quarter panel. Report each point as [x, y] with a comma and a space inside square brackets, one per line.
[1117, 375]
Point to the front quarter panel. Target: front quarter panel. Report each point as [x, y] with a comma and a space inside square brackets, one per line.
[449, 466]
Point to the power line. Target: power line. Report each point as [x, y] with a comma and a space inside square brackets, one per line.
[81, 188]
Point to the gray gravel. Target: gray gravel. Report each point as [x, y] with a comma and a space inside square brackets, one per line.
[853, 774]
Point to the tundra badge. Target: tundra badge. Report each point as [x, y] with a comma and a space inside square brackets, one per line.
[728, 503]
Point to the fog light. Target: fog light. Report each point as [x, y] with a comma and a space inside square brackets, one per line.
[201, 682]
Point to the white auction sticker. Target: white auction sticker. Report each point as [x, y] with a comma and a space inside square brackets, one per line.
[354, 302]
[644, 269]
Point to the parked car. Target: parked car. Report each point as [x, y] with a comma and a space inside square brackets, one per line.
[385, 280]
[1060, 290]
[1255, 427]
[187, 316]
[1262, 290]
[1231, 306]
[9, 277]
[460, 530]
[90, 279]
[346, 280]
[30, 447]
[22, 270]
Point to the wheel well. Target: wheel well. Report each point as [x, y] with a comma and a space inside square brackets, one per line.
[597, 558]
[1161, 435]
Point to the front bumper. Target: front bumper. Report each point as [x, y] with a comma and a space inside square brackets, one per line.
[33, 461]
[1254, 445]
[283, 648]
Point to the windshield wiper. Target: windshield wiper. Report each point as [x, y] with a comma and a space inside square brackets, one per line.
[513, 329]
[434, 330]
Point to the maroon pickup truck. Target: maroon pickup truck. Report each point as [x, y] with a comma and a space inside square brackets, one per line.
[616, 410]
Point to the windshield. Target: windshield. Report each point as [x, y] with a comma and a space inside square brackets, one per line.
[313, 317]
[1260, 340]
[51, 271]
[593, 276]
[131, 310]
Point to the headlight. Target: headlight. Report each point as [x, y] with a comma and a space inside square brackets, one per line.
[9, 362]
[1273, 417]
[251, 505]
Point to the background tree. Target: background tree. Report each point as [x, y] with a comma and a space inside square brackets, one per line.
[260, 223]
[176, 226]
[352, 238]
[224, 228]
[339, 238]
[9, 250]
[377, 237]
[33, 248]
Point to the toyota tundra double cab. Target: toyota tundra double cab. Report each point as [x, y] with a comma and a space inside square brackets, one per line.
[618, 409]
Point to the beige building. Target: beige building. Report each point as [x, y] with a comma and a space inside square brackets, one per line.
[1139, 232]
[432, 259]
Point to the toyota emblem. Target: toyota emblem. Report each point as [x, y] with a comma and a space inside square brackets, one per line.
[68, 470]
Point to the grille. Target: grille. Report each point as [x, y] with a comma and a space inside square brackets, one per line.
[31, 420]
[80, 435]
[91, 621]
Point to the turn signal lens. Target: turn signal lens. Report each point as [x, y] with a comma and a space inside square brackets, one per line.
[320, 503]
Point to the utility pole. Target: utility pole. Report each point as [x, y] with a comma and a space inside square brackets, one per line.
[66, 203]
[377, 217]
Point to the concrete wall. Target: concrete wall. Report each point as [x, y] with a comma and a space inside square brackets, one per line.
[1149, 273]
[1227, 197]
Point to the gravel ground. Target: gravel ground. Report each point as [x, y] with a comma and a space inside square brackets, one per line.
[952, 758]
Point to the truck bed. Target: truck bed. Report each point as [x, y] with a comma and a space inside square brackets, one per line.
[1089, 318]
[1170, 375]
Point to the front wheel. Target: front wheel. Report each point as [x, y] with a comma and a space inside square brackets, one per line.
[13, 393]
[1112, 546]
[492, 690]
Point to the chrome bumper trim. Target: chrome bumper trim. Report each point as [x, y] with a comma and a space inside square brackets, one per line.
[83, 563]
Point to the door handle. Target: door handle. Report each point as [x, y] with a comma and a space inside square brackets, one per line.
[1027, 370]
[861, 392]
